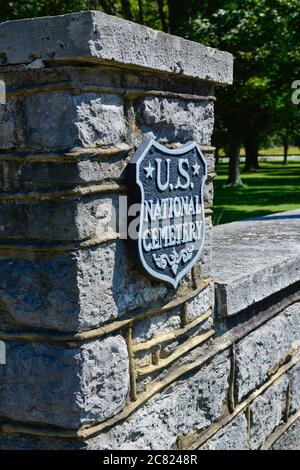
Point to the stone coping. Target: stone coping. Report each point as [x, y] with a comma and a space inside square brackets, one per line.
[92, 36]
[254, 259]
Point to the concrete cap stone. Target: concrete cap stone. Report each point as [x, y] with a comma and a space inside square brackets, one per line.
[254, 259]
[92, 36]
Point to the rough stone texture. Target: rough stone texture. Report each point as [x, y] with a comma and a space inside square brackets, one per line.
[169, 120]
[79, 290]
[201, 303]
[265, 349]
[24, 175]
[234, 436]
[7, 126]
[63, 219]
[294, 376]
[264, 258]
[64, 386]
[102, 38]
[290, 440]
[193, 402]
[267, 412]
[59, 120]
[203, 267]
[149, 328]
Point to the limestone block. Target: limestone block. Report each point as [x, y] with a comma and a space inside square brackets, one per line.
[290, 440]
[7, 126]
[60, 120]
[294, 376]
[194, 402]
[258, 353]
[64, 386]
[79, 290]
[170, 120]
[62, 219]
[234, 436]
[93, 36]
[201, 303]
[267, 412]
[152, 327]
[264, 259]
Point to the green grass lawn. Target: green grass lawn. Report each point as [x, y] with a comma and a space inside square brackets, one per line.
[273, 188]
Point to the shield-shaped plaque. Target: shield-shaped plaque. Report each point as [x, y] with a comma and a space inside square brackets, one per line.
[171, 226]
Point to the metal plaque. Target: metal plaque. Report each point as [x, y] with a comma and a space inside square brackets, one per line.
[171, 226]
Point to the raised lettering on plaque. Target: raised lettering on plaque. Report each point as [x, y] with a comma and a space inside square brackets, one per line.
[169, 187]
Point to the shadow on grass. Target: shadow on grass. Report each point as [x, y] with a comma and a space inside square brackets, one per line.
[273, 188]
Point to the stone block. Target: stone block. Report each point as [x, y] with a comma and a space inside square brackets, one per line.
[152, 327]
[79, 290]
[62, 219]
[290, 440]
[294, 376]
[170, 120]
[234, 436]
[263, 350]
[264, 259]
[7, 126]
[201, 303]
[68, 387]
[93, 36]
[194, 402]
[267, 412]
[60, 120]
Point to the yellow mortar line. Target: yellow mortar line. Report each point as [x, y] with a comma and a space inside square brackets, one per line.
[144, 397]
[125, 92]
[192, 442]
[50, 195]
[279, 431]
[104, 330]
[170, 336]
[184, 348]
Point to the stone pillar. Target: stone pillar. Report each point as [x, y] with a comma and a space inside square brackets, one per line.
[90, 340]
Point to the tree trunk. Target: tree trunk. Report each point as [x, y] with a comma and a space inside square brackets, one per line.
[285, 150]
[251, 149]
[141, 12]
[162, 16]
[126, 7]
[234, 149]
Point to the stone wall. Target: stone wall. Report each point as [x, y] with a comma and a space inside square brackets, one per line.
[99, 356]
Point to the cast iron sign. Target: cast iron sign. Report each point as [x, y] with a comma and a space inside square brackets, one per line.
[171, 225]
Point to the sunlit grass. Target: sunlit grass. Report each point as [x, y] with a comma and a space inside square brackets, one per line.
[273, 188]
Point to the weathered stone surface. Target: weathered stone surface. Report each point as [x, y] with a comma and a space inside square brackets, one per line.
[193, 402]
[79, 290]
[63, 174]
[7, 126]
[59, 219]
[149, 328]
[64, 386]
[170, 120]
[97, 37]
[234, 436]
[201, 303]
[267, 412]
[294, 376]
[264, 258]
[290, 440]
[203, 266]
[60, 120]
[265, 349]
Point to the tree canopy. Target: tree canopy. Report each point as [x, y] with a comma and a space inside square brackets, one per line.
[263, 36]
